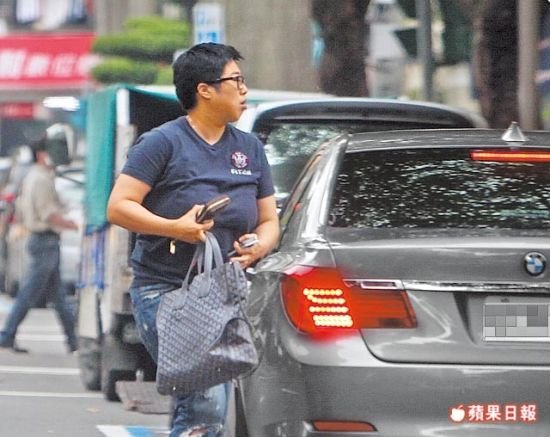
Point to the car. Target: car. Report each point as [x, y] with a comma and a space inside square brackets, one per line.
[292, 130]
[409, 292]
[15, 170]
[110, 350]
[70, 186]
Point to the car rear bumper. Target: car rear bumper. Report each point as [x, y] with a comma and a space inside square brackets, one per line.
[302, 380]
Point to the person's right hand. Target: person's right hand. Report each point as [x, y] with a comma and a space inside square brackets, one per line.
[187, 229]
[71, 224]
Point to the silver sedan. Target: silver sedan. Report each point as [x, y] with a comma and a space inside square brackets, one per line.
[409, 295]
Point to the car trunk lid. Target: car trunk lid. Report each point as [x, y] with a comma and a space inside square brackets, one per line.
[473, 296]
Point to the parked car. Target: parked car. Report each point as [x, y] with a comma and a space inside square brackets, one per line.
[70, 186]
[409, 293]
[13, 170]
[110, 350]
[16, 168]
[292, 130]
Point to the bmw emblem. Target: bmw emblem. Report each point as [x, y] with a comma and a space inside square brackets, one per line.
[535, 263]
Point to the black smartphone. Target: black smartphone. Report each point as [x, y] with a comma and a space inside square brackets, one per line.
[212, 207]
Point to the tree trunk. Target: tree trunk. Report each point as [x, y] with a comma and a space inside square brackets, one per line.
[494, 58]
[496, 61]
[188, 6]
[342, 68]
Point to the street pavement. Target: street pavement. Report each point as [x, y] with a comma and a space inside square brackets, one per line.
[41, 394]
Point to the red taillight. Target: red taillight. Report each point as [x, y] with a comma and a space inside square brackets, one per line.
[317, 300]
[510, 156]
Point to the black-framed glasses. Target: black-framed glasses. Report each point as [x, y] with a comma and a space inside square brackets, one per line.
[238, 79]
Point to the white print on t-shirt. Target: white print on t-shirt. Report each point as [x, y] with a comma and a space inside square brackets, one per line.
[240, 161]
[241, 172]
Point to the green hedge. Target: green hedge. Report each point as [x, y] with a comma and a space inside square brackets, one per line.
[115, 70]
[138, 46]
[165, 76]
[152, 39]
[143, 53]
[158, 25]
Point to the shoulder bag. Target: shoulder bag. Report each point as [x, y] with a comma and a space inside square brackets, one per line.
[205, 338]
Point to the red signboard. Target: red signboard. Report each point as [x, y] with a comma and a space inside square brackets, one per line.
[46, 60]
[17, 110]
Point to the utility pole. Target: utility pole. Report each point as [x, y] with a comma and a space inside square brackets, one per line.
[528, 38]
[424, 46]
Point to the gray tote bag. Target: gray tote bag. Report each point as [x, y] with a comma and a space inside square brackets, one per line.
[204, 336]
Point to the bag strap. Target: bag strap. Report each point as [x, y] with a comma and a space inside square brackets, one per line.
[207, 256]
[215, 247]
[198, 261]
[212, 258]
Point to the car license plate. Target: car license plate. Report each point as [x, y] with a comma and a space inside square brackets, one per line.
[517, 321]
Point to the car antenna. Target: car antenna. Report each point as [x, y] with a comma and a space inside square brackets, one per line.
[514, 134]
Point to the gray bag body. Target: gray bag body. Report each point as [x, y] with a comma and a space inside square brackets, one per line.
[204, 336]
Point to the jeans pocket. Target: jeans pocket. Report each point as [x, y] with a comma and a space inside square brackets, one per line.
[145, 304]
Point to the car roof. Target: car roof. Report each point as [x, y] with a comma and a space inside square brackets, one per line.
[357, 108]
[425, 138]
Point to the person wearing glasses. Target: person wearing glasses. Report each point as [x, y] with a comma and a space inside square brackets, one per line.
[170, 173]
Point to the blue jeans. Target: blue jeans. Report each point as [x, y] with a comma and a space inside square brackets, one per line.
[197, 414]
[42, 276]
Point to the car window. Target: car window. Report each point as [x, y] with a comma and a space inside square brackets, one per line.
[441, 188]
[289, 146]
[290, 143]
[294, 203]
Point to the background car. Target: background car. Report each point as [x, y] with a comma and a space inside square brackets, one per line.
[409, 293]
[70, 186]
[16, 167]
[292, 130]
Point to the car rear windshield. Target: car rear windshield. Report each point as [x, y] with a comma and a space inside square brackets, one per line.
[289, 144]
[439, 188]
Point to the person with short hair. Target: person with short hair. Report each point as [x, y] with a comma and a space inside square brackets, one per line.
[170, 173]
[41, 212]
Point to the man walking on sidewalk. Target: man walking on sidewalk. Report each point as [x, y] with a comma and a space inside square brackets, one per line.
[40, 209]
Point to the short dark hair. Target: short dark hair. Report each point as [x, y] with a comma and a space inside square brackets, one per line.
[201, 63]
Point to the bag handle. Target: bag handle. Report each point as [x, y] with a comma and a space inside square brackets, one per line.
[207, 256]
[212, 258]
[197, 260]
[215, 247]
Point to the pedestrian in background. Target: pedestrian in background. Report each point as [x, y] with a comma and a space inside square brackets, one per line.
[170, 173]
[41, 213]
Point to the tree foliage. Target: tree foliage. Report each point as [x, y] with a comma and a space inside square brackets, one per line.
[115, 70]
[146, 44]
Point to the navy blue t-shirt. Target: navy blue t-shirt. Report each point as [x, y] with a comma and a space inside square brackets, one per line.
[184, 170]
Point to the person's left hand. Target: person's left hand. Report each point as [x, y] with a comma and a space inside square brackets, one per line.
[246, 256]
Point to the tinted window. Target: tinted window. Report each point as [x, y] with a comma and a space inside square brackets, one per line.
[289, 143]
[439, 189]
[289, 146]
